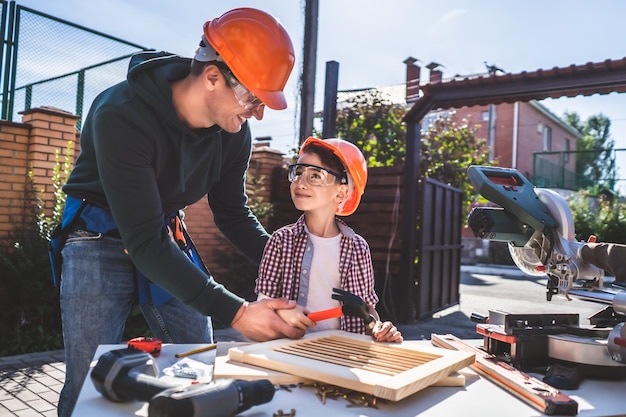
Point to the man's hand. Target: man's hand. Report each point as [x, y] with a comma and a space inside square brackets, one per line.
[609, 256]
[296, 317]
[260, 322]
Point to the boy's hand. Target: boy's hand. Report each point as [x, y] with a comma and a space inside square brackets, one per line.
[296, 317]
[386, 332]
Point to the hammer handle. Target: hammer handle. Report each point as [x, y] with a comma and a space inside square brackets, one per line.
[326, 314]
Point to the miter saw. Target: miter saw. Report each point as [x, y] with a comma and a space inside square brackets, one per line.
[538, 226]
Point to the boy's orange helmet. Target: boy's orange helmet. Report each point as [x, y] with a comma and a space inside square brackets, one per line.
[355, 165]
[257, 49]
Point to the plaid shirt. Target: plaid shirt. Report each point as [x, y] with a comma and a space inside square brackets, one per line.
[286, 262]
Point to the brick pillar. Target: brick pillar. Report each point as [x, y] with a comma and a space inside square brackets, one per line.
[51, 130]
[262, 163]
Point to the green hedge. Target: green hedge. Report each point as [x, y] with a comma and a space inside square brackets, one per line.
[603, 218]
[30, 317]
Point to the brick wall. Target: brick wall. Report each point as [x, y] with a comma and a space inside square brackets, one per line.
[530, 122]
[13, 172]
[30, 146]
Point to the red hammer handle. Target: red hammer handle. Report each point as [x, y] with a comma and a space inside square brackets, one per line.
[326, 314]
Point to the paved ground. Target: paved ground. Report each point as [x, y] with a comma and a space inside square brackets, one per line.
[30, 384]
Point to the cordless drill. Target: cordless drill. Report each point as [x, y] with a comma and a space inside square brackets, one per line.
[129, 374]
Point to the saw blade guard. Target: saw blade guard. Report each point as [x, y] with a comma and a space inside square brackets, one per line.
[559, 210]
[526, 260]
[525, 257]
[555, 251]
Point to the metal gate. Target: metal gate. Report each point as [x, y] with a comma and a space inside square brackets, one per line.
[437, 279]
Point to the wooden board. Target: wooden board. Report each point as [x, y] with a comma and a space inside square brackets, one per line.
[228, 369]
[225, 368]
[391, 371]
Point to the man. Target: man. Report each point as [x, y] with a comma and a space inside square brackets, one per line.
[174, 131]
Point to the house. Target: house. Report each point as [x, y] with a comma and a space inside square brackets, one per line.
[521, 135]
[524, 135]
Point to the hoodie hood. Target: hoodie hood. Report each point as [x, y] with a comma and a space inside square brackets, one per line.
[150, 75]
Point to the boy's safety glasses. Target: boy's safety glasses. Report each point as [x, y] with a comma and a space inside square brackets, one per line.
[314, 175]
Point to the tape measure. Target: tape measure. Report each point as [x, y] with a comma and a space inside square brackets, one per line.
[152, 345]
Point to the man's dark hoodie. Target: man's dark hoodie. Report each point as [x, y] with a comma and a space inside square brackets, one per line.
[141, 162]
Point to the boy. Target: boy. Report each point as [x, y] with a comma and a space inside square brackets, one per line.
[304, 261]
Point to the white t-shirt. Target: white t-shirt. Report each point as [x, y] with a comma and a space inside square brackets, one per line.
[324, 276]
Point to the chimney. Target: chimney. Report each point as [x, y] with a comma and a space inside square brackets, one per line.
[261, 141]
[435, 74]
[412, 80]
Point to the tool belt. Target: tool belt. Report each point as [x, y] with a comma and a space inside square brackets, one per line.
[58, 236]
[82, 215]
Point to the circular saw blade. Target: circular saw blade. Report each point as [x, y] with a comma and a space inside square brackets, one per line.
[536, 253]
[526, 260]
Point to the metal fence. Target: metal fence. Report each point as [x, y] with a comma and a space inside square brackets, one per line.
[591, 169]
[438, 279]
[47, 61]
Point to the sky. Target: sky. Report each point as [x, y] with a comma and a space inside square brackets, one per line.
[370, 39]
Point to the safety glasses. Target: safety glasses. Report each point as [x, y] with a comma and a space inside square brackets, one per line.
[314, 175]
[246, 99]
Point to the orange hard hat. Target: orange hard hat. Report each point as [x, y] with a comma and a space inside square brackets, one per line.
[257, 49]
[355, 165]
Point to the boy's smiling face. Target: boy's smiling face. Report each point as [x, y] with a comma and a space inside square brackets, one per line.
[322, 198]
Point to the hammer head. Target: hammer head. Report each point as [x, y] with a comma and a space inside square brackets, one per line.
[353, 305]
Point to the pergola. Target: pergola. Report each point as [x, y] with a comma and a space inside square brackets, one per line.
[592, 78]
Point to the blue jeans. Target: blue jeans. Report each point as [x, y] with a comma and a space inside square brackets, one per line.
[97, 294]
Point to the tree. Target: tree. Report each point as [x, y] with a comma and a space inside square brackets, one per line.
[374, 124]
[448, 148]
[601, 217]
[595, 162]
[60, 174]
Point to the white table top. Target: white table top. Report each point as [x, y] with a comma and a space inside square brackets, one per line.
[479, 397]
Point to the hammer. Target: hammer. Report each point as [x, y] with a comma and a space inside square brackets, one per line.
[353, 305]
